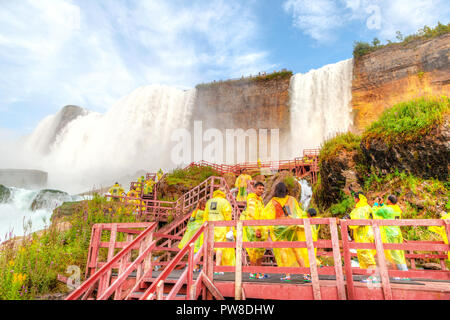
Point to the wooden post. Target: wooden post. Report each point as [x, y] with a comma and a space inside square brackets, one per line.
[413, 260]
[210, 254]
[160, 290]
[238, 271]
[190, 271]
[337, 260]
[347, 260]
[312, 260]
[104, 283]
[382, 262]
[122, 267]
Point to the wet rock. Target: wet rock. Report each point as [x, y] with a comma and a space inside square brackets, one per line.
[338, 174]
[428, 157]
[47, 199]
[5, 194]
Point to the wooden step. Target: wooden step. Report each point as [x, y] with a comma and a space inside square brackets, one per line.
[138, 294]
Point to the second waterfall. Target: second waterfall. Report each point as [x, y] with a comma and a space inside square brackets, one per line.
[320, 105]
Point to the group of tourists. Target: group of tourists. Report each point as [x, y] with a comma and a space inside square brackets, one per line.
[283, 206]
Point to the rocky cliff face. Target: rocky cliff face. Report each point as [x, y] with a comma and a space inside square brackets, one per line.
[245, 104]
[399, 73]
[426, 158]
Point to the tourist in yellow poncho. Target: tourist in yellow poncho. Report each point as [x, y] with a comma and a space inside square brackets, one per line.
[441, 230]
[195, 222]
[282, 206]
[116, 191]
[363, 234]
[241, 184]
[391, 234]
[219, 209]
[253, 211]
[148, 187]
[159, 174]
[133, 194]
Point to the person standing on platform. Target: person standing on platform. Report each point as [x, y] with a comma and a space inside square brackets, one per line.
[242, 184]
[283, 206]
[253, 211]
[219, 209]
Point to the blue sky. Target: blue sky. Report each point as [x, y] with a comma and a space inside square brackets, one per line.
[91, 52]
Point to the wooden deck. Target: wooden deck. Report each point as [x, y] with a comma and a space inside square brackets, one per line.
[275, 289]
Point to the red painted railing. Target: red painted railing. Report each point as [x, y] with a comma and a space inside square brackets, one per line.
[344, 288]
[187, 275]
[121, 261]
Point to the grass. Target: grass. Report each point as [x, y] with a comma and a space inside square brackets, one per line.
[344, 141]
[30, 269]
[344, 207]
[362, 48]
[277, 75]
[409, 121]
[190, 177]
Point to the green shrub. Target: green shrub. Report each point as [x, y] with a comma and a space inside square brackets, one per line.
[344, 207]
[333, 146]
[190, 177]
[362, 48]
[30, 268]
[409, 121]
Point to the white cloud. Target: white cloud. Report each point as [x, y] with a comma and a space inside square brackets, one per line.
[321, 19]
[91, 53]
[315, 18]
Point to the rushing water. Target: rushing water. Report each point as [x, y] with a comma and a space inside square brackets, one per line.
[306, 193]
[320, 105]
[98, 148]
[17, 213]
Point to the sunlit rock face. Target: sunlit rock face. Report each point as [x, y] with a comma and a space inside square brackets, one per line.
[399, 73]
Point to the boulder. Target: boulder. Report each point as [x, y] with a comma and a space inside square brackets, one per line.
[338, 174]
[5, 194]
[48, 198]
[230, 178]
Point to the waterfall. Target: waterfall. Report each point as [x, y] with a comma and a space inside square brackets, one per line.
[17, 212]
[320, 105]
[306, 193]
[95, 149]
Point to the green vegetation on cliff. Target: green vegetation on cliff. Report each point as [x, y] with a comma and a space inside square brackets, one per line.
[362, 48]
[409, 121]
[190, 177]
[29, 266]
[331, 147]
[277, 75]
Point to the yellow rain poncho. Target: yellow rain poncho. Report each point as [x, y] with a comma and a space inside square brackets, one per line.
[287, 257]
[259, 163]
[363, 233]
[159, 174]
[219, 209]
[391, 234]
[148, 187]
[241, 184]
[133, 194]
[441, 231]
[193, 225]
[254, 210]
[116, 190]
